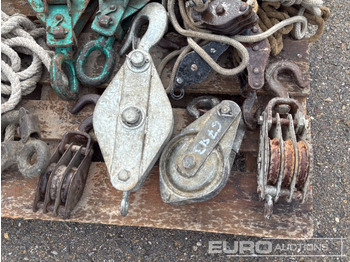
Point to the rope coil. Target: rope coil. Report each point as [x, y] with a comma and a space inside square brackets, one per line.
[20, 35]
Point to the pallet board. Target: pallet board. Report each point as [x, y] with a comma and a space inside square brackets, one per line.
[236, 210]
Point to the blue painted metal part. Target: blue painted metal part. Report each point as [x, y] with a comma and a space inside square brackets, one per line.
[107, 24]
[64, 20]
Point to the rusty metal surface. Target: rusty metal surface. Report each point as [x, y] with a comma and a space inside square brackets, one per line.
[275, 157]
[227, 17]
[259, 54]
[276, 87]
[289, 163]
[30, 154]
[62, 184]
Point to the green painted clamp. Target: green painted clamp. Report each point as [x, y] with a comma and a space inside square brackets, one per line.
[64, 20]
[107, 24]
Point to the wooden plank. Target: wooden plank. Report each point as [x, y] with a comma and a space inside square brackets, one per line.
[11, 7]
[55, 119]
[236, 210]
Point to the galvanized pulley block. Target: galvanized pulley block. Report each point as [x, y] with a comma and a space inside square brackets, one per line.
[61, 186]
[196, 164]
[133, 118]
[226, 17]
[285, 153]
[30, 154]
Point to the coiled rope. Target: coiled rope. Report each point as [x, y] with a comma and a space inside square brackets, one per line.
[272, 13]
[314, 6]
[20, 35]
[194, 33]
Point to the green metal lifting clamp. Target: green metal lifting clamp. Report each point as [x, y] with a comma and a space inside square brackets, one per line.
[64, 20]
[107, 24]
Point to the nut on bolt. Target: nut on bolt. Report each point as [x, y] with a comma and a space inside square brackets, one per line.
[131, 116]
[225, 110]
[137, 59]
[105, 21]
[124, 175]
[59, 32]
[189, 162]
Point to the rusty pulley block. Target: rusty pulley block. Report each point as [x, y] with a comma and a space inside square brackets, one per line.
[196, 164]
[61, 186]
[226, 17]
[285, 154]
[29, 154]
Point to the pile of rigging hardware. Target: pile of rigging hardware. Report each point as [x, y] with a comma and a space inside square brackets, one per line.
[133, 120]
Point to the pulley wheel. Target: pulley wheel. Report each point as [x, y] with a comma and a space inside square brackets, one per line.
[289, 162]
[205, 184]
[303, 164]
[275, 161]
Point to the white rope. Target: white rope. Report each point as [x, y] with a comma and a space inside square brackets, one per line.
[314, 6]
[20, 35]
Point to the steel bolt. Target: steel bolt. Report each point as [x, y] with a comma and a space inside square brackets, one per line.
[256, 48]
[189, 162]
[124, 175]
[220, 10]
[105, 21]
[256, 70]
[179, 80]
[112, 7]
[131, 116]
[256, 84]
[212, 50]
[255, 29]
[225, 109]
[194, 67]
[59, 32]
[58, 17]
[137, 59]
[243, 7]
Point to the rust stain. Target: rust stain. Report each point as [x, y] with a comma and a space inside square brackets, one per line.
[289, 161]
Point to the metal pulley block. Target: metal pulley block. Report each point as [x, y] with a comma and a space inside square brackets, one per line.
[133, 118]
[285, 153]
[196, 164]
[30, 154]
[226, 17]
[61, 186]
[64, 20]
[193, 69]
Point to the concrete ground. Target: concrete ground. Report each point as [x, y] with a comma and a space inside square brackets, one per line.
[329, 108]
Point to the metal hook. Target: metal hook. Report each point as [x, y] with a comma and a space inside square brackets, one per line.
[275, 69]
[155, 14]
[83, 101]
[124, 205]
[201, 105]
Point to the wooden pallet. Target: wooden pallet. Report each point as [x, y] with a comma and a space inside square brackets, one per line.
[236, 210]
